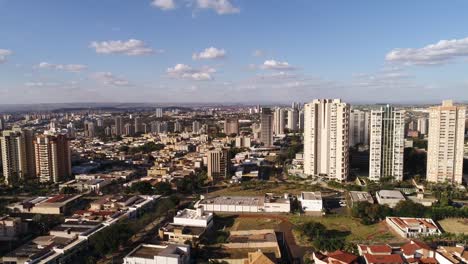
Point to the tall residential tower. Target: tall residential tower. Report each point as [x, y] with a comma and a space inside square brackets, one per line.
[445, 145]
[326, 139]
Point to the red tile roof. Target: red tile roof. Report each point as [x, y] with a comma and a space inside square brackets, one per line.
[383, 259]
[342, 256]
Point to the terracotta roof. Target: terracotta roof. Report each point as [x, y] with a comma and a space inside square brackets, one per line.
[409, 249]
[428, 261]
[383, 259]
[376, 249]
[342, 256]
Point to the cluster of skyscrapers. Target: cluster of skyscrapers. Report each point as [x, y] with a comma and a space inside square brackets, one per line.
[28, 157]
[331, 127]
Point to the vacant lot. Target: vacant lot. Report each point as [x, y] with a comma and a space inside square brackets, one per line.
[455, 225]
[357, 232]
[260, 188]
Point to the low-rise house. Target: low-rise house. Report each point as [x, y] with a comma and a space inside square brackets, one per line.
[241, 245]
[383, 259]
[389, 197]
[413, 252]
[452, 255]
[408, 227]
[336, 257]
[158, 254]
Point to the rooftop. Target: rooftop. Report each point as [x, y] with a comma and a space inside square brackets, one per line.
[235, 200]
[311, 196]
[390, 194]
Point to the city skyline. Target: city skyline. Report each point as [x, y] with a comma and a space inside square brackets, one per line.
[231, 51]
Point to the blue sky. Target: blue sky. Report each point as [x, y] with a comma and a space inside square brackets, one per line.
[232, 50]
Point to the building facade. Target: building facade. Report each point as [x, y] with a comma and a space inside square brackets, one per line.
[387, 143]
[218, 164]
[445, 144]
[266, 127]
[326, 139]
[53, 158]
[359, 123]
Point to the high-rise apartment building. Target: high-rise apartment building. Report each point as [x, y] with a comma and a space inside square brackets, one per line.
[301, 120]
[2, 123]
[266, 127]
[89, 130]
[53, 158]
[359, 124]
[138, 125]
[118, 125]
[196, 127]
[326, 141]
[446, 142]
[423, 125]
[279, 121]
[177, 126]
[159, 112]
[17, 157]
[218, 164]
[293, 118]
[129, 130]
[387, 143]
[231, 126]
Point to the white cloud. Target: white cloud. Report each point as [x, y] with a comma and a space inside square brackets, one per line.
[209, 53]
[439, 53]
[131, 47]
[221, 7]
[40, 84]
[4, 53]
[164, 4]
[186, 72]
[64, 67]
[277, 65]
[108, 78]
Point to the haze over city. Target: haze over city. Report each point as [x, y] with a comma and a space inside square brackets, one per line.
[232, 51]
[233, 132]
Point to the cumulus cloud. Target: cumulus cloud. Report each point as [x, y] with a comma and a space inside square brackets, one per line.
[221, 7]
[434, 54]
[209, 53]
[108, 78]
[4, 53]
[277, 65]
[164, 4]
[64, 67]
[186, 72]
[131, 47]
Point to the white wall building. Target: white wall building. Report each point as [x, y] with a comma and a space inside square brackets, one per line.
[279, 121]
[387, 143]
[196, 218]
[311, 201]
[326, 139]
[408, 227]
[159, 254]
[445, 144]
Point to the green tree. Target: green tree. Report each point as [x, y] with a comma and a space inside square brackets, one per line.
[163, 188]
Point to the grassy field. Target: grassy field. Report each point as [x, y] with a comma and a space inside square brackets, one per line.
[357, 232]
[260, 188]
[454, 225]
